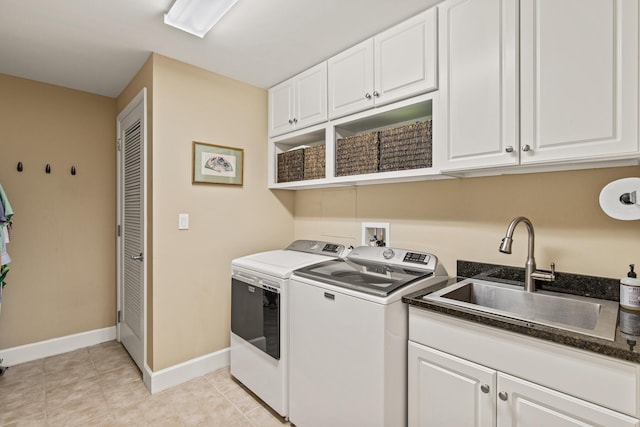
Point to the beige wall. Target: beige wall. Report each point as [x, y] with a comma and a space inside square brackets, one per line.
[467, 218]
[191, 268]
[62, 278]
[58, 287]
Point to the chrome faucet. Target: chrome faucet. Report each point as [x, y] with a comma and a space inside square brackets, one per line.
[530, 272]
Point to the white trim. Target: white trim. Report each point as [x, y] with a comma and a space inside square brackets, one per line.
[183, 372]
[140, 98]
[28, 352]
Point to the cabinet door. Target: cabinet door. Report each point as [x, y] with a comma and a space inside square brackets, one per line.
[351, 80]
[448, 391]
[281, 103]
[522, 403]
[406, 59]
[311, 96]
[579, 79]
[478, 82]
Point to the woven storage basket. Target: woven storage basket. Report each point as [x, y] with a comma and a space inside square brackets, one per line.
[291, 166]
[314, 162]
[357, 154]
[406, 147]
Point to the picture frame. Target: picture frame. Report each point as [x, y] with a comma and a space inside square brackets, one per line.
[217, 164]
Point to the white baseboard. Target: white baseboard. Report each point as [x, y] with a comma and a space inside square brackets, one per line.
[183, 372]
[155, 381]
[28, 352]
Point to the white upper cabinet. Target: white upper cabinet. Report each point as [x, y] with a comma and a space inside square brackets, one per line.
[299, 102]
[579, 79]
[351, 80]
[395, 64]
[406, 59]
[561, 88]
[478, 82]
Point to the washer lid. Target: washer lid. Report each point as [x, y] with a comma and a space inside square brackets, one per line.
[378, 279]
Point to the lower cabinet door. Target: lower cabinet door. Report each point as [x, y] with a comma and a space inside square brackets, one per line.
[445, 390]
[521, 403]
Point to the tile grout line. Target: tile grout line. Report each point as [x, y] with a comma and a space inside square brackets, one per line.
[229, 400]
[102, 390]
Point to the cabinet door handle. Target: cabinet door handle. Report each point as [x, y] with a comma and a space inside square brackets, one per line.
[295, 120]
[367, 95]
[290, 121]
[526, 148]
[376, 93]
[509, 149]
[485, 388]
[327, 295]
[503, 395]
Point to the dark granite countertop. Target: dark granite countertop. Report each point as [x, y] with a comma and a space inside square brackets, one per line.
[626, 345]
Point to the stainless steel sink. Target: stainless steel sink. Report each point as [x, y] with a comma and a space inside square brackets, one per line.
[589, 316]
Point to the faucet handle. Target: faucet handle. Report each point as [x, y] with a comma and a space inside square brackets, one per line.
[545, 276]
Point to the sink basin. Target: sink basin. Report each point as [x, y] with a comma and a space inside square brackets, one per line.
[589, 316]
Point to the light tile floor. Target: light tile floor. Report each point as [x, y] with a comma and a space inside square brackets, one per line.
[101, 386]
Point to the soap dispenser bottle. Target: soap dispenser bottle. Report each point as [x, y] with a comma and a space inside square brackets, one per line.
[630, 290]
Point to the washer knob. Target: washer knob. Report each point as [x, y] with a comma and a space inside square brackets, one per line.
[388, 253]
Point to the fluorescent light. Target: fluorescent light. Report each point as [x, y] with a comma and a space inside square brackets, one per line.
[197, 17]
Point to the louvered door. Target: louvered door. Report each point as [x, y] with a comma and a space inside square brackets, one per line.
[132, 277]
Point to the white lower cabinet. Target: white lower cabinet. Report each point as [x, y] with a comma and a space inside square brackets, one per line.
[461, 373]
[522, 403]
[445, 390]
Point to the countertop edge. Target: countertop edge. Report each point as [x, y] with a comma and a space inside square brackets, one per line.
[582, 342]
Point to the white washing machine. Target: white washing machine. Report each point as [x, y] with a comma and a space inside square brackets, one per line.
[348, 336]
[259, 316]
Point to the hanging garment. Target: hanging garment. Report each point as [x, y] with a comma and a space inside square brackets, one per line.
[3, 218]
[4, 238]
[5, 221]
[8, 212]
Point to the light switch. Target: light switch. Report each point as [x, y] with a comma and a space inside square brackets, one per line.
[183, 221]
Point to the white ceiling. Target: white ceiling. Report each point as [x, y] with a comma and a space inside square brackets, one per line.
[98, 46]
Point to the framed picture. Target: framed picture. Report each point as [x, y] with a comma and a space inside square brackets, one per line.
[216, 164]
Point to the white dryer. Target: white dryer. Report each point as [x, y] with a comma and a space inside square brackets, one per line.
[259, 317]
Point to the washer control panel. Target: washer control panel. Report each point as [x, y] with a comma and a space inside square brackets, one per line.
[317, 247]
[394, 256]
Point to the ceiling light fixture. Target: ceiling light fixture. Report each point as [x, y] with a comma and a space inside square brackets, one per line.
[197, 17]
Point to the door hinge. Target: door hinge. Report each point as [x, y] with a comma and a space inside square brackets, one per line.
[119, 316]
[119, 146]
[118, 230]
